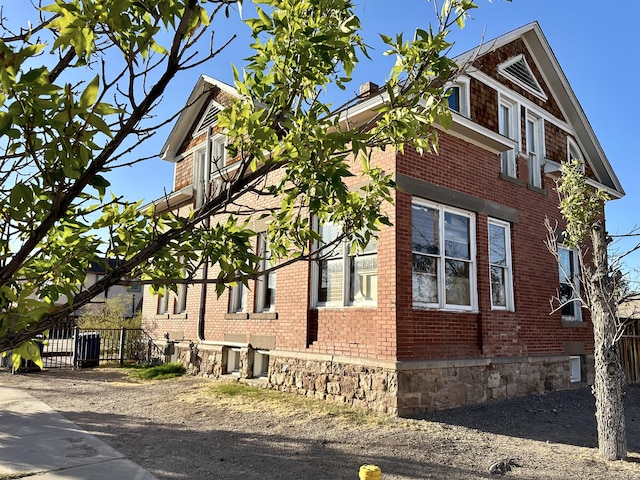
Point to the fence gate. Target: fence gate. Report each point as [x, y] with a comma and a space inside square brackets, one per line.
[72, 347]
[630, 353]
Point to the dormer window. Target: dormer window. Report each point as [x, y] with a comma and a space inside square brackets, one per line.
[210, 117]
[518, 71]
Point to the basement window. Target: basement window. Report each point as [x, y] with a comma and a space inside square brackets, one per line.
[575, 369]
[233, 360]
[260, 363]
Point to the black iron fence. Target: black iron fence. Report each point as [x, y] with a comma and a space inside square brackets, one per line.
[74, 347]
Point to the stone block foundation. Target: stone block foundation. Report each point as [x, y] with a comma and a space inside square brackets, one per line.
[406, 388]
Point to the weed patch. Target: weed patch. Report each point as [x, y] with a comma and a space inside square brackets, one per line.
[159, 372]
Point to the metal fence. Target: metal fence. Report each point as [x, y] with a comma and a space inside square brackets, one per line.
[74, 347]
[630, 353]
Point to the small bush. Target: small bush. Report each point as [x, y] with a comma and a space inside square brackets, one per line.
[159, 372]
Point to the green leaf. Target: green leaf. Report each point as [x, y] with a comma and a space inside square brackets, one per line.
[88, 97]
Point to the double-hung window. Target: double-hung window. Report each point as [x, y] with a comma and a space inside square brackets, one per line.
[181, 299]
[218, 154]
[508, 126]
[500, 265]
[163, 302]
[238, 298]
[345, 277]
[208, 164]
[569, 283]
[266, 283]
[443, 253]
[535, 149]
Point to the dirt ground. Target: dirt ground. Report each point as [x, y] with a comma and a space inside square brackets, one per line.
[182, 429]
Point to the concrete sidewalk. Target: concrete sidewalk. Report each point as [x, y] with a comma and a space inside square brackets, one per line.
[36, 439]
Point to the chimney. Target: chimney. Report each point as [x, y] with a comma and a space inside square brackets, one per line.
[367, 89]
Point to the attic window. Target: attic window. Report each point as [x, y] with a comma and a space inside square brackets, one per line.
[210, 117]
[518, 71]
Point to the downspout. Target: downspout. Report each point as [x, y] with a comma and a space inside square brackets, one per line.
[205, 267]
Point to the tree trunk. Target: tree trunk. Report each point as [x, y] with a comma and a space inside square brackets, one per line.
[609, 375]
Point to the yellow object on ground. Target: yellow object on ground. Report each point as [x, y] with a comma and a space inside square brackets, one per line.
[370, 472]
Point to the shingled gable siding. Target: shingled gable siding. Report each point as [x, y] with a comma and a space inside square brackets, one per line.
[489, 62]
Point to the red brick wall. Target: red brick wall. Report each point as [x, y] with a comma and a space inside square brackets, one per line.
[531, 329]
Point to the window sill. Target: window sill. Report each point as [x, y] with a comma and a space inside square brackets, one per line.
[425, 308]
[178, 316]
[161, 316]
[263, 316]
[539, 190]
[573, 324]
[236, 316]
[369, 306]
[514, 180]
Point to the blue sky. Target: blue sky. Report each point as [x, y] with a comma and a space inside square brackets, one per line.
[596, 43]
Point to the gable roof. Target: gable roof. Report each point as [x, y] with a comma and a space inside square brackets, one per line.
[189, 115]
[561, 90]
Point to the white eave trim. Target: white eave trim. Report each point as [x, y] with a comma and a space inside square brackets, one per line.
[174, 198]
[468, 130]
[461, 126]
[554, 169]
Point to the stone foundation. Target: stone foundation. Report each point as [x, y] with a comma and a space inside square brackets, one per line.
[393, 388]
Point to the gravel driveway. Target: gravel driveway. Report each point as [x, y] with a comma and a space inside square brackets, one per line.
[183, 429]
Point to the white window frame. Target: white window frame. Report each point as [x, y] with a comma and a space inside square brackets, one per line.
[219, 154]
[535, 125]
[181, 299]
[507, 267]
[508, 158]
[574, 277]
[260, 363]
[265, 282]
[163, 302]
[462, 84]
[216, 154]
[442, 258]
[575, 368]
[343, 253]
[238, 298]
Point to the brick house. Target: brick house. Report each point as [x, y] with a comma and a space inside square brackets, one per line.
[452, 305]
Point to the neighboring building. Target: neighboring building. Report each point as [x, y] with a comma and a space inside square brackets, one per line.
[452, 305]
[130, 296]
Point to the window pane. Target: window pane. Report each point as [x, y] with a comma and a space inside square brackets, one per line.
[454, 98]
[531, 136]
[330, 233]
[218, 153]
[497, 247]
[504, 121]
[566, 294]
[425, 279]
[424, 228]
[457, 283]
[498, 290]
[330, 282]
[565, 266]
[270, 291]
[456, 236]
[364, 279]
